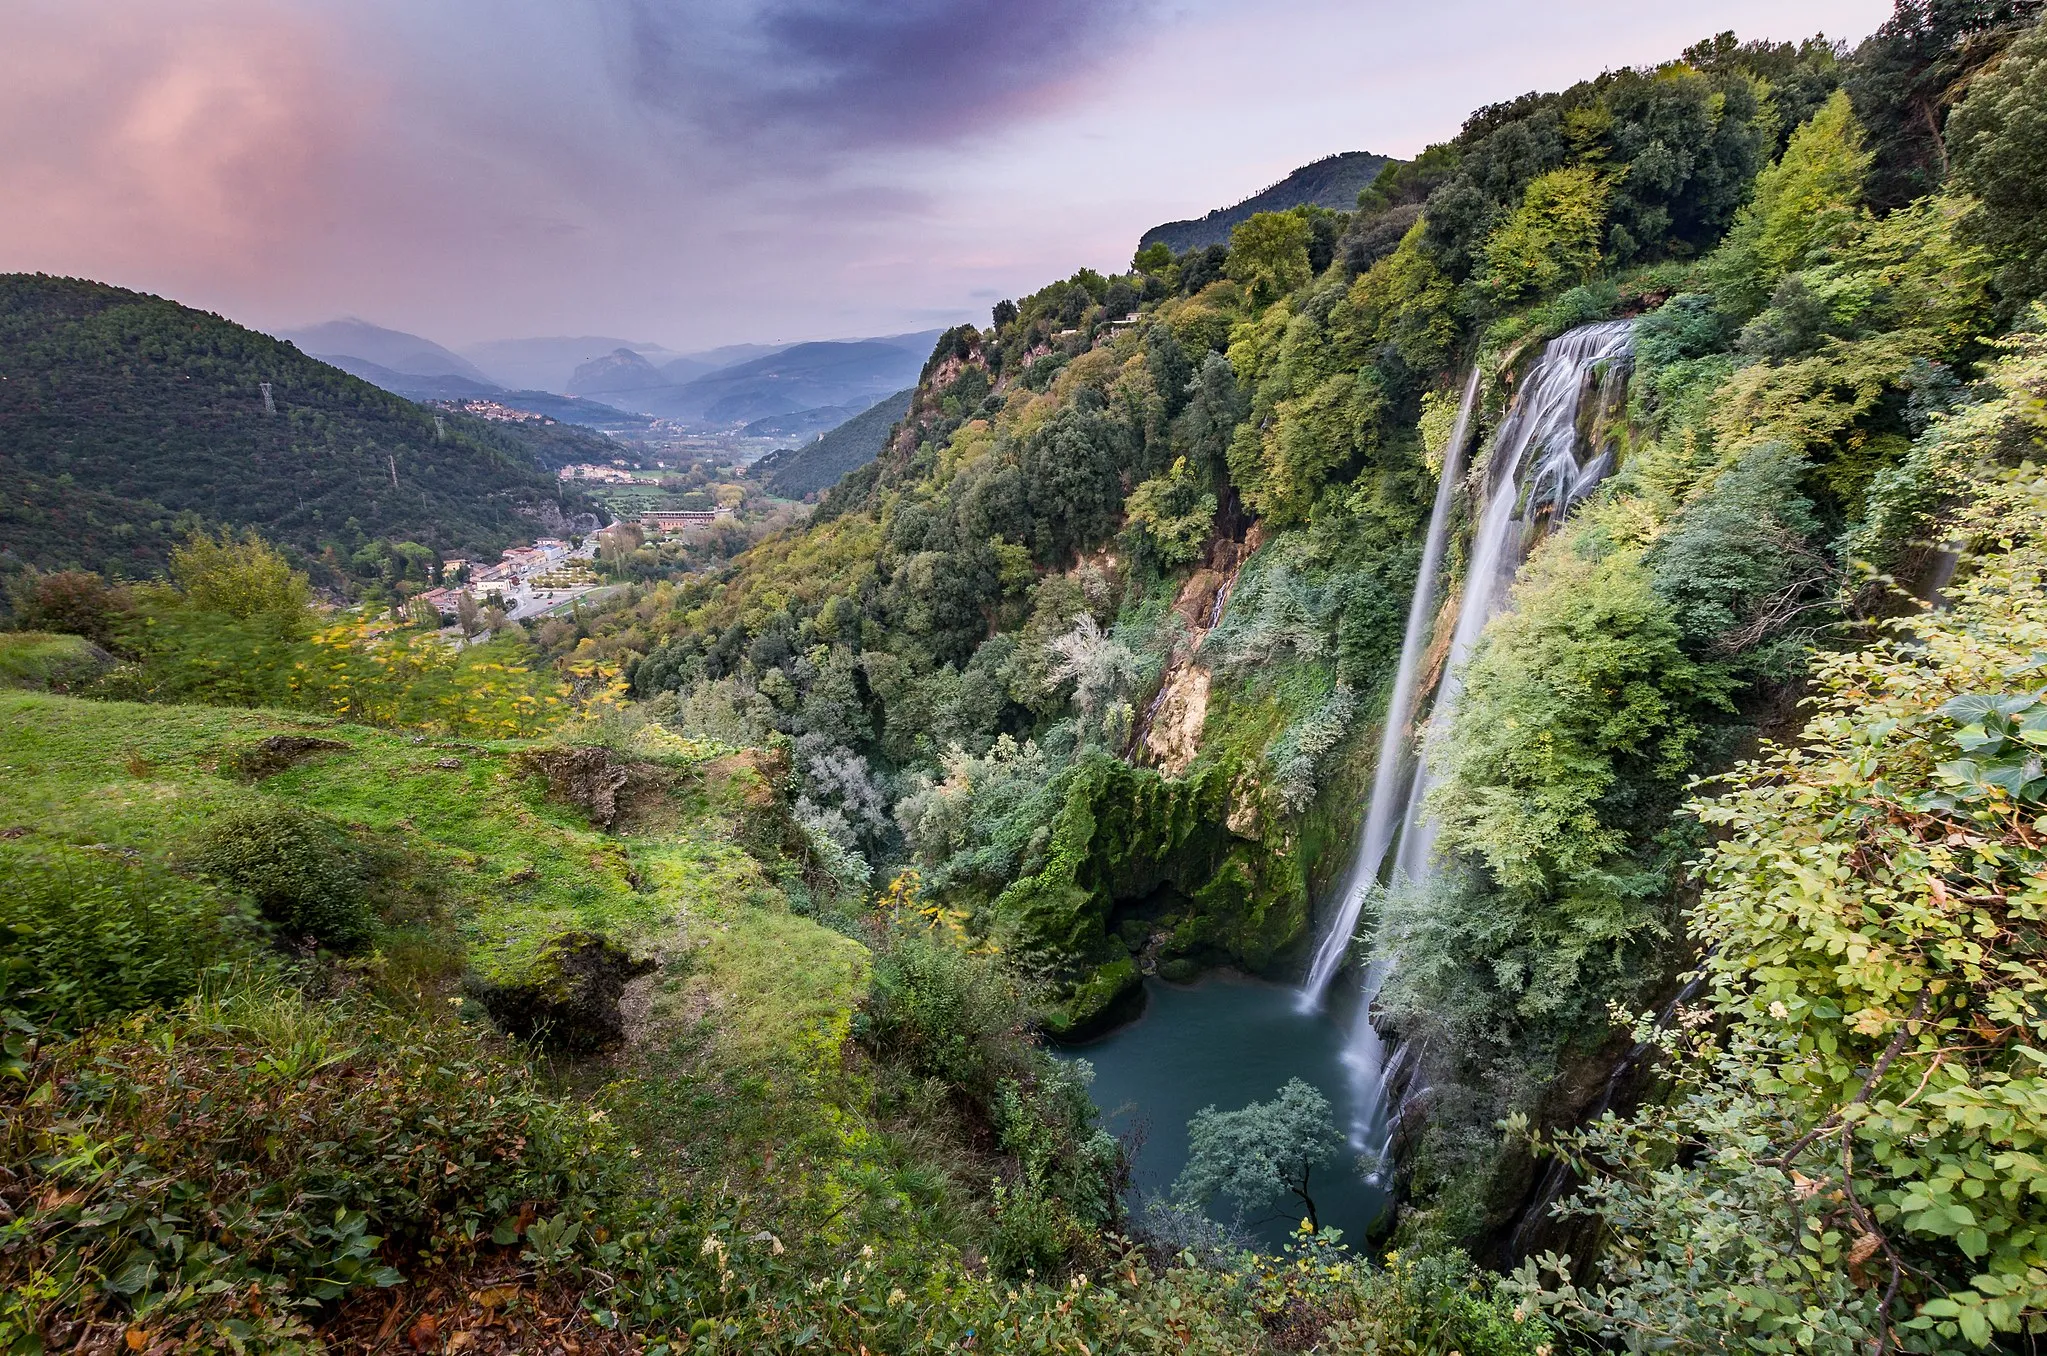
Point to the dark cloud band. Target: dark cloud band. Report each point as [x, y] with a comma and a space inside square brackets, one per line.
[835, 74]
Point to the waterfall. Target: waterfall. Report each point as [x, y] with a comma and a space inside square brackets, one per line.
[1377, 834]
[1544, 421]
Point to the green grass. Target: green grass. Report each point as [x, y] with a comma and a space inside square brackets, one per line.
[503, 868]
[43, 662]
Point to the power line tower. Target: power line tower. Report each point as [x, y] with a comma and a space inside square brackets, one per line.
[269, 405]
[440, 429]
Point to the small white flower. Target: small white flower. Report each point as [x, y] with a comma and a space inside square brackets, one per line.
[1780, 1012]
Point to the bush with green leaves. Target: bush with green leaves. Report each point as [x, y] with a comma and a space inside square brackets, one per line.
[1864, 1141]
[301, 868]
[1579, 718]
[214, 1175]
[87, 934]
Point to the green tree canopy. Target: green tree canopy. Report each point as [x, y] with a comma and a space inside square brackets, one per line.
[1261, 1154]
[1811, 197]
[1269, 254]
[1551, 239]
[241, 577]
[1998, 142]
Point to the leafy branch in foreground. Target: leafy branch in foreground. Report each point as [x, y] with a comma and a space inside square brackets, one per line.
[1856, 1162]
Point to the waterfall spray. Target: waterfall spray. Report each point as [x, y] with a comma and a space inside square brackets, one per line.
[1394, 740]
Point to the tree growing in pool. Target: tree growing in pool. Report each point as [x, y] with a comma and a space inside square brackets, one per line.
[1261, 1154]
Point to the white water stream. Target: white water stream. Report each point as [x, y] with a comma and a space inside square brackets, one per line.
[1542, 420]
[1534, 466]
[1395, 741]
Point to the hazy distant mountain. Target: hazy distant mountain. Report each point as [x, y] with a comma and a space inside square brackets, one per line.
[1332, 182]
[802, 377]
[794, 472]
[618, 375]
[393, 350]
[690, 366]
[546, 364]
[411, 385]
[779, 392]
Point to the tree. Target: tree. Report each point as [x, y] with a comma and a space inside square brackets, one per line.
[467, 614]
[1998, 142]
[1810, 197]
[1262, 1153]
[1269, 254]
[243, 578]
[1102, 670]
[1172, 514]
[1551, 239]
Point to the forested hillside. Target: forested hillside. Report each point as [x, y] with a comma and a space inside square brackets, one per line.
[794, 472]
[1102, 644]
[1332, 182]
[126, 420]
[1649, 475]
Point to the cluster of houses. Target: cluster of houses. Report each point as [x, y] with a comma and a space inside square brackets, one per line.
[615, 475]
[514, 568]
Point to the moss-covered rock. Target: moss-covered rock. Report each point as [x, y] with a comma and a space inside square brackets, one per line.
[1124, 833]
[1097, 1002]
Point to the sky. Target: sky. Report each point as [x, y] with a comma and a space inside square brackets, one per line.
[701, 172]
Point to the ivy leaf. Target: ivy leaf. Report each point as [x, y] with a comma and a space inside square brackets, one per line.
[1974, 738]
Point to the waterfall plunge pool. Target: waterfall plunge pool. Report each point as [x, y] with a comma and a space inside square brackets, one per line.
[1227, 1041]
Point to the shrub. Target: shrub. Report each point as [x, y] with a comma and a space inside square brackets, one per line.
[70, 602]
[303, 872]
[86, 935]
[212, 1176]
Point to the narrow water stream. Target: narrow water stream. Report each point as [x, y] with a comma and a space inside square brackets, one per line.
[1229, 1041]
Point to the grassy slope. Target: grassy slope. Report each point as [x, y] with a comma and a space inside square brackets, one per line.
[144, 778]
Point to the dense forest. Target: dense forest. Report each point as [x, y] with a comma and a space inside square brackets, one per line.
[127, 420]
[678, 978]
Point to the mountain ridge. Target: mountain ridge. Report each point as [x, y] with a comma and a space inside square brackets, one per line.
[127, 420]
[1333, 182]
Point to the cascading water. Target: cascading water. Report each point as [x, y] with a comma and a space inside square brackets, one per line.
[1544, 421]
[1394, 741]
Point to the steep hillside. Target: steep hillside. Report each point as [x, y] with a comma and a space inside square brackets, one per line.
[1333, 182]
[126, 419]
[794, 472]
[393, 350]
